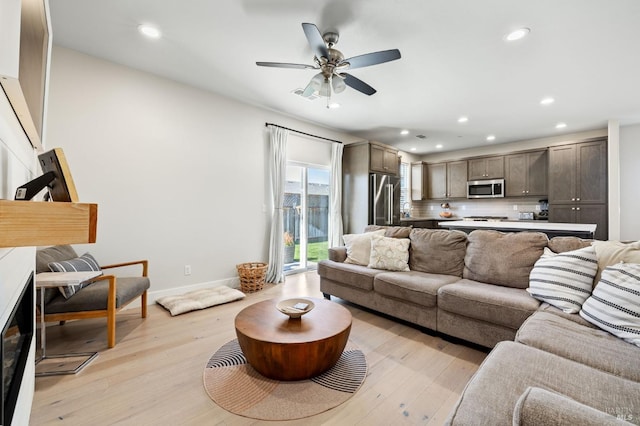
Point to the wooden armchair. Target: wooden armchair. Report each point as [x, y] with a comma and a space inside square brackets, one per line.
[104, 297]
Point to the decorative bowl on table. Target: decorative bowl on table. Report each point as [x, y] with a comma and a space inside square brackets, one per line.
[295, 308]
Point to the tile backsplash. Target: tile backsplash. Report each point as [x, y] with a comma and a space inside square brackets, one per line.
[462, 208]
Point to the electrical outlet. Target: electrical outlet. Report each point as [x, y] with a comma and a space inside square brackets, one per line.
[537, 208]
[187, 269]
[463, 207]
[430, 207]
[515, 207]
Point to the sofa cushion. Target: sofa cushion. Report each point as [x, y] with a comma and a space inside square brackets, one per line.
[614, 304]
[612, 252]
[94, 296]
[494, 304]
[503, 258]
[390, 231]
[391, 254]
[538, 406]
[585, 344]
[493, 392]
[359, 247]
[564, 280]
[437, 251]
[413, 286]
[357, 276]
[562, 244]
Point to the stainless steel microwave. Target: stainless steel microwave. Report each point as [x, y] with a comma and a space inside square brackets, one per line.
[489, 188]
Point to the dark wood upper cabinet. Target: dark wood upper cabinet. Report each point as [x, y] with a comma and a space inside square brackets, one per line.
[383, 159]
[486, 168]
[578, 173]
[447, 180]
[526, 174]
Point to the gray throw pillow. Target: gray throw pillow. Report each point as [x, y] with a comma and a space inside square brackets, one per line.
[86, 262]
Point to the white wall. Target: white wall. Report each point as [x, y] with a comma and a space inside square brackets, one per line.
[629, 182]
[179, 174]
[17, 163]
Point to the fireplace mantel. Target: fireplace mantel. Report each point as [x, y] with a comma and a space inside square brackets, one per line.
[40, 223]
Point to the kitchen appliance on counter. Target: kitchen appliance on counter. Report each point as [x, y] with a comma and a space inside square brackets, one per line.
[384, 201]
[487, 188]
[544, 209]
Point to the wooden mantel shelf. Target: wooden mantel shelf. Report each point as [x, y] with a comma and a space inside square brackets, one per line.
[39, 223]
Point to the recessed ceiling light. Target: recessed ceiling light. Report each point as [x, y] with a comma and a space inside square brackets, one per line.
[333, 105]
[439, 146]
[404, 132]
[413, 149]
[491, 138]
[517, 34]
[547, 101]
[463, 119]
[149, 31]
[561, 125]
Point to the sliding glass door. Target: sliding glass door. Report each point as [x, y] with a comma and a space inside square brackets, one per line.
[306, 216]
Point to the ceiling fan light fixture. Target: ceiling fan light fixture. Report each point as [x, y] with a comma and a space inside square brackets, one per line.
[547, 101]
[463, 119]
[491, 138]
[561, 125]
[404, 132]
[338, 85]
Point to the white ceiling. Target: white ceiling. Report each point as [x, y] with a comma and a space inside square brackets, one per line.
[583, 53]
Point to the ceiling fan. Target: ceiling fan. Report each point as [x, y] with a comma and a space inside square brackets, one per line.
[332, 64]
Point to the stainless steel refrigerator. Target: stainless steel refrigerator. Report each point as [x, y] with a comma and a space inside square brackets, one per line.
[384, 199]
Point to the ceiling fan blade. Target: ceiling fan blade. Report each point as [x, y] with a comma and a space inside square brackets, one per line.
[315, 40]
[356, 83]
[374, 58]
[286, 65]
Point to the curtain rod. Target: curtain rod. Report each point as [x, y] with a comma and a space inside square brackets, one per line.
[302, 133]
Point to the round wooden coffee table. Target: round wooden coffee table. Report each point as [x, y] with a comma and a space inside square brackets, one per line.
[293, 349]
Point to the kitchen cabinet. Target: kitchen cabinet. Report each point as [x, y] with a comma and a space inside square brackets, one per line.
[419, 181]
[583, 213]
[526, 174]
[578, 184]
[578, 173]
[383, 159]
[447, 180]
[486, 168]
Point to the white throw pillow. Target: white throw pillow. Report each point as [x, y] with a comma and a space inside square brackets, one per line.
[391, 254]
[614, 305]
[359, 247]
[564, 280]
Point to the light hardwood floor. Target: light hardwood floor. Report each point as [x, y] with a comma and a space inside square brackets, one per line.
[154, 374]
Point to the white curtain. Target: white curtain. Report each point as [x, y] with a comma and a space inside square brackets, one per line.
[277, 171]
[335, 196]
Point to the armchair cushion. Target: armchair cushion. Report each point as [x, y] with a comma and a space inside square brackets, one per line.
[86, 262]
[94, 297]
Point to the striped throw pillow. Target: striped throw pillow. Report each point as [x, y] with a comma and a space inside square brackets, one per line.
[564, 280]
[86, 262]
[614, 305]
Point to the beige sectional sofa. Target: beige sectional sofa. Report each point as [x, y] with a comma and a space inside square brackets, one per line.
[546, 366]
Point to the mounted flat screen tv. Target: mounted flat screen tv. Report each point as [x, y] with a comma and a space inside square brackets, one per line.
[23, 70]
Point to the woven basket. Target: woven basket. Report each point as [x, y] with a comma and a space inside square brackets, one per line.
[251, 276]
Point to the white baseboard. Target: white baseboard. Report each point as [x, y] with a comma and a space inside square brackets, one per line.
[152, 296]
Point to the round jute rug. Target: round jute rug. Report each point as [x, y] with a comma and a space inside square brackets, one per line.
[235, 386]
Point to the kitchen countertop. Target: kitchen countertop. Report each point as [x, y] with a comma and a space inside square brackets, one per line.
[419, 219]
[539, 225]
